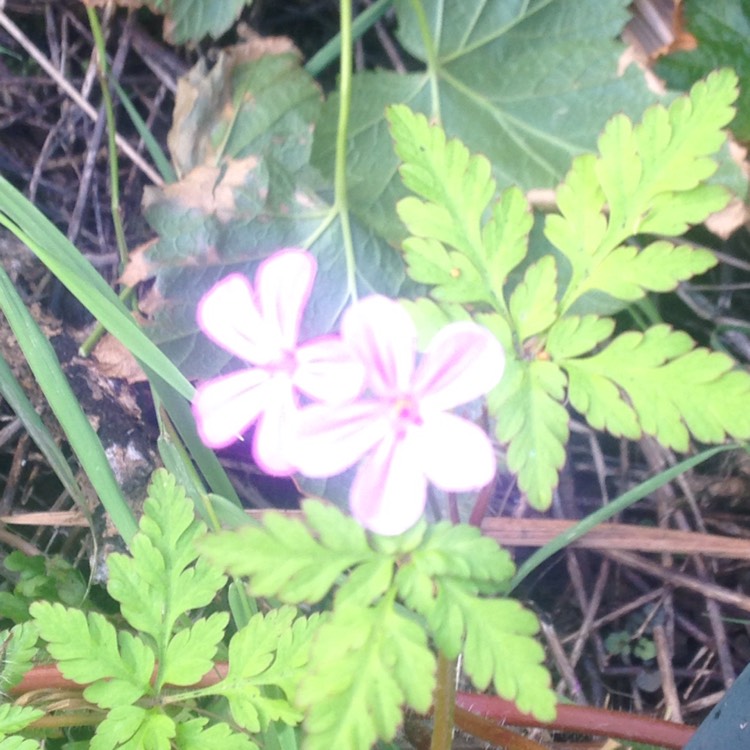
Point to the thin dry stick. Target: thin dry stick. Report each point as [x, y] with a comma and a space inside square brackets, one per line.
[707, 701]
[535, 532]
[658, 461]
[588, 619]
[90, 112]
[123, 47]
[576, 579]
[701, 666]
[17, 542]
[668, 686]
[709, 590]
[562, 662]
[616, 614]
[685, 623]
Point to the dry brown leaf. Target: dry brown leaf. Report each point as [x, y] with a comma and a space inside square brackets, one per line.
[115, 361]
[631, 56]
[138, 268]
[208, 189]
[656, 29]
[683, 39]
[201, 93]
[254, 46]
[151, 302]
[725, 223]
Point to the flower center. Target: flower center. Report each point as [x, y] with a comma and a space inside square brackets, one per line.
[405, 413]
[286, 364]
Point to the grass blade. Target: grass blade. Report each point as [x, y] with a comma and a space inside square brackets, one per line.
[43, 238]
[83, 440]
[612, 509]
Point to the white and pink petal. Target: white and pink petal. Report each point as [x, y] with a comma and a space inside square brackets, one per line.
[282, 284]
[383, 336]
[229, 316]
[463, 361]
[331, 438]
[389, 490]
[327, 370]
[226, 406]
[273, 441]
[455, 454]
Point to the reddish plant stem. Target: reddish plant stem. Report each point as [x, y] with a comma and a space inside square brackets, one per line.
[491, 731]
[583, 719]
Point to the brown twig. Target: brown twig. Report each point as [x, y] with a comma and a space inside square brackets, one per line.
[80, 101]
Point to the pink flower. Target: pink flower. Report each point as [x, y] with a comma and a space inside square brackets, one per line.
[403, 430]
[261, 325]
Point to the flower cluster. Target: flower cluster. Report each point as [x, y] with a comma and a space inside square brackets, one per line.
[322, 406]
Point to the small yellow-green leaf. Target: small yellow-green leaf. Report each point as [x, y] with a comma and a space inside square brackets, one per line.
[658, 383]
[365, 666]
[627, 273]
[506, 237]
[527, 406]
[574, 335]
[533, 304]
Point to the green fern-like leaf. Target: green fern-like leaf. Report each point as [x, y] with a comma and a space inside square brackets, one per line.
[365, 664]
[161, 583]
[533, 304]
[17, 650]
[628, 273]
[657, 382]
[532, 420]
[500, 650]
[462, 259]
[458, 552]
[15, 718]
[18, 743]
[191, 652]
[445, 580]
[271, 650]
[163, 579]
[291, 560]
[88, 649]
[456, 185]
[668, 155]
[195, 735]
[576, 335]
[134, 728]
[495, 636]
[650, 177]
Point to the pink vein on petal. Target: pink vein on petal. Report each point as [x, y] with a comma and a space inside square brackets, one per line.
[330, 439]
[384, 337]
[463, 362]
[389, 490]
[228, 315]
[226, 406]
[283, 283]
